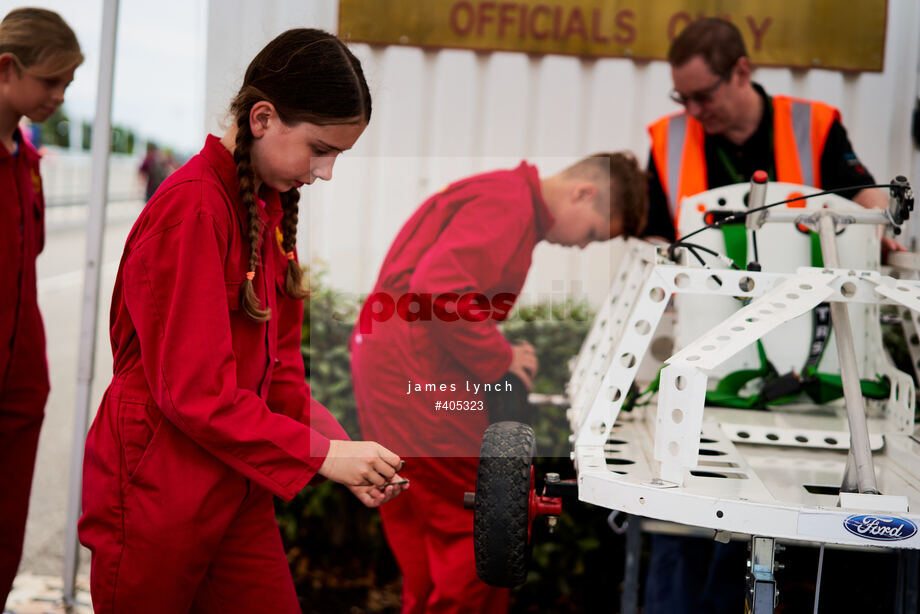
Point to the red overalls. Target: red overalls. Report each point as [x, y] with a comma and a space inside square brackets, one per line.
[208, 414]
[23, 365]
[476, 236]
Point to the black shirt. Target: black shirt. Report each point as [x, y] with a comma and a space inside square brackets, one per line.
[840, 167]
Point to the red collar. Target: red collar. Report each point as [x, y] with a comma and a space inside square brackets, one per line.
[544, 218]
[27, 151]
[222, 162]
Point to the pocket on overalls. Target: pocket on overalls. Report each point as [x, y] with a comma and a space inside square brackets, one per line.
[139, 423]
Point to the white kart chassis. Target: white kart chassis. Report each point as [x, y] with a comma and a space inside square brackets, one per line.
[769, 473]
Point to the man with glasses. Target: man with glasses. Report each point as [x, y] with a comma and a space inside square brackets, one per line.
[732, 127]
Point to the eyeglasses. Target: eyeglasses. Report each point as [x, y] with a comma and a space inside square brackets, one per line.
[702, 96]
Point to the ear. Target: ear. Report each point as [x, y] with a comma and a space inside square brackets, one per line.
[7, 66]
[584, 192]
[743, 70]
[260, 116]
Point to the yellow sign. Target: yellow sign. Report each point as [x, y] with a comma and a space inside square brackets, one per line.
[803, 33]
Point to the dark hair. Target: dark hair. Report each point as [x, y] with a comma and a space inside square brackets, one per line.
[717, 41]
[308, 76]
[624, 190]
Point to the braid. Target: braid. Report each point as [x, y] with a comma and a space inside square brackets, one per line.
[338, 95]
[248, 299]
[293, 283]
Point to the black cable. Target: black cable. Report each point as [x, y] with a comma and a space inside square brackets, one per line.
[738, 217]
[693, 251]
[692, 246]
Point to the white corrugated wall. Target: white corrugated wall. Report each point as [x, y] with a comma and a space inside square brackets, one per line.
[439, 115]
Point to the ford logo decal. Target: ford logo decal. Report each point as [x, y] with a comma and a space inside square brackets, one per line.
[880, 528]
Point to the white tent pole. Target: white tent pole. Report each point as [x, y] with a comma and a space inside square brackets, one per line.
[102, 128]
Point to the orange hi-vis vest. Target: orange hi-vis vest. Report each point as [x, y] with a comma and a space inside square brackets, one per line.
[800, 129]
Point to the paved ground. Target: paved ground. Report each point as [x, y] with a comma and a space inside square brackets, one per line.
[60, 288]
[42, 595]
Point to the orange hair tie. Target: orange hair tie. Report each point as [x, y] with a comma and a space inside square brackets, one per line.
[290, 255]
[251, 275]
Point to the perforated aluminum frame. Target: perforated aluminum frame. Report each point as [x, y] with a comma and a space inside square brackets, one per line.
[776, 299]
[651, 463]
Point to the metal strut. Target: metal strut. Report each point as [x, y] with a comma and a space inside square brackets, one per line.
[859, 460]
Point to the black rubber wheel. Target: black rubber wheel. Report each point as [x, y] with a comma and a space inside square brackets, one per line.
[500, 513]
[507, 400]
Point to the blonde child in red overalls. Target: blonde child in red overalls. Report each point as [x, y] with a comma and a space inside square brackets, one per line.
[38, 56]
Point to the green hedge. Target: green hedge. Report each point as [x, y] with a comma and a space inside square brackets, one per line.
[335, 545]
[336, 548]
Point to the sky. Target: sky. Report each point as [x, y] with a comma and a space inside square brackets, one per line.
[159, 66]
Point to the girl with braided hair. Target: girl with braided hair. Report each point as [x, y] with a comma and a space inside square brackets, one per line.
[38, 55]
[208, 415]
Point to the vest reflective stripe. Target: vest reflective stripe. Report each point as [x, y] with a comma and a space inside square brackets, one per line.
[677, 132]
[677, 150]
[800, 129]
